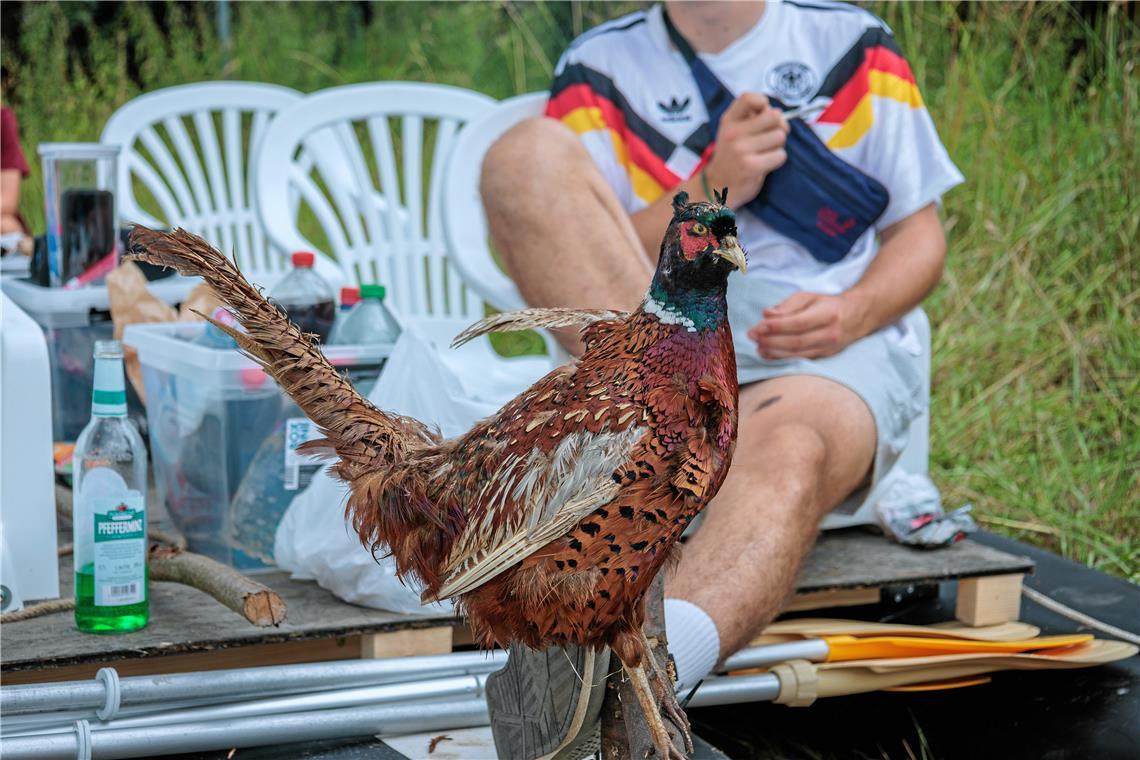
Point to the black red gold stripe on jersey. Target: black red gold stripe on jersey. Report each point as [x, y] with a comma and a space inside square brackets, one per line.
[873, 67]
[586, 100]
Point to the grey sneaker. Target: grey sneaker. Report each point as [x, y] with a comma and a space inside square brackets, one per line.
[548, 703]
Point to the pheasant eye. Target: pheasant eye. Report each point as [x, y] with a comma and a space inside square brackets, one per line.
[698, 229]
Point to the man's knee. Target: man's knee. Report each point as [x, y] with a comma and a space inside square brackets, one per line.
[790, 457]
[525, 154]
[788, 445]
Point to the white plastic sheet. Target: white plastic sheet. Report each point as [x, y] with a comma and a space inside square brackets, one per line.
[438, 387]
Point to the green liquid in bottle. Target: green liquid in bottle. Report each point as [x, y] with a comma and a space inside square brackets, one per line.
[92, 619]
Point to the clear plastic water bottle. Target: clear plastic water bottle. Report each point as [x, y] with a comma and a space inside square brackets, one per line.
[109, 507]
[349, 298]
[306, 297]
[369, 321]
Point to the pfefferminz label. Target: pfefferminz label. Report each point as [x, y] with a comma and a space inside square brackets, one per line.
[299, 469]
[120, 550]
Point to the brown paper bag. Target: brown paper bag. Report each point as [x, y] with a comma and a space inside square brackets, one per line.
[132, 304]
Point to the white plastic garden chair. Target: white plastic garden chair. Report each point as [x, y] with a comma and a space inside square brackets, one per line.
[191, 148]
[465, 224]
[466, 229]
[383, 219]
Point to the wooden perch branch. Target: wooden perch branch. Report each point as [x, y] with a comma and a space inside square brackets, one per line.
[258, 604]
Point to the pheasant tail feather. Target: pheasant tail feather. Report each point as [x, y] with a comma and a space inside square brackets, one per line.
[530, 319]
[361, 434]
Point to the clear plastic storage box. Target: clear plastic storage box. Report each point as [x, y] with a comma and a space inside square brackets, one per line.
[223, 438]
[72, 320]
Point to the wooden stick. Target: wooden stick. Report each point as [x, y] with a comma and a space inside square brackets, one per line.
[625, 733]
[258, 604]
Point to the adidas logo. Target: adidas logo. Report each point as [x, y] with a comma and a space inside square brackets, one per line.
[675, 110]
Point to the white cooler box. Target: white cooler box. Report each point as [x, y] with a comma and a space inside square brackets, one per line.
[72, 320]
[223, 438]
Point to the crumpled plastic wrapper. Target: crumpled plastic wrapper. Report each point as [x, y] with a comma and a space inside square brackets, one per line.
[132, 304]
[910, 510]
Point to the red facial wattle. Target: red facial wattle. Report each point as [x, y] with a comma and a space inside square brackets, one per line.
[695, 240]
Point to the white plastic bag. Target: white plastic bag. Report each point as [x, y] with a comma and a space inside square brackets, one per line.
[444, 389]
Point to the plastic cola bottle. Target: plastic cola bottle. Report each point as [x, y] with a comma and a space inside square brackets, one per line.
[306, 297]
[109, 507]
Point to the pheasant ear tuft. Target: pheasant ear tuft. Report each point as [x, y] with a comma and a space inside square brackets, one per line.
[721, 196]
[680, 200]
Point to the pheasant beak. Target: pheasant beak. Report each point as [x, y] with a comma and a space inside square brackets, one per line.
[731, 252]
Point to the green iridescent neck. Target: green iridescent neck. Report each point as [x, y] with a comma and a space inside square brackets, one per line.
[696, 310]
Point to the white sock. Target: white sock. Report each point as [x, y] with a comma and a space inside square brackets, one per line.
[694, 642]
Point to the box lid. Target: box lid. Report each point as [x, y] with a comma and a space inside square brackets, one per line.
[169, 347]
[44, 304]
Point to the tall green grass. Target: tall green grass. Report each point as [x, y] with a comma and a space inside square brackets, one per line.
[1036, 347]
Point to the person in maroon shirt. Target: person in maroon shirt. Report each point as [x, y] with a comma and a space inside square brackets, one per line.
[13, 168]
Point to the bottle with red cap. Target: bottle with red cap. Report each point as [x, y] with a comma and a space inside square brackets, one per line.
[306, 297]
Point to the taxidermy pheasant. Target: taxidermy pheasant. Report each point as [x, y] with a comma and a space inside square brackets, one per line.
[548, 521]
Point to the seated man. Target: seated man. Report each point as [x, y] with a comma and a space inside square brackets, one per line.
[829, 373]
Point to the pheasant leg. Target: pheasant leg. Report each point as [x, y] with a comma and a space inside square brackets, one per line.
[666, 697]
[653, 719]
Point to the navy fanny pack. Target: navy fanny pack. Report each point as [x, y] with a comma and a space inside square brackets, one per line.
[816, 198]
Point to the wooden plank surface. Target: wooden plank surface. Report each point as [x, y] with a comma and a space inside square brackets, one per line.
[856, 558]
[184, 620]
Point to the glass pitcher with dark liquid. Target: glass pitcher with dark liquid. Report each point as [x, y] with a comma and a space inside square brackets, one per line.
[82, 217]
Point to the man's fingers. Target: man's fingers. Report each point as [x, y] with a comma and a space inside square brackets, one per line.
[753, 101]
[765, 141]
[811, 353]
[797, 323]
[743, 107]
[794, 302]
[809, 345]
[768, 120]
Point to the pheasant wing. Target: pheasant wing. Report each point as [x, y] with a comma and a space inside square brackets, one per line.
[547, 461]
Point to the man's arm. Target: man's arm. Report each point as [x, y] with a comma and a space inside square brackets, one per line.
[10, 201]
[750, 145]
[907, 267]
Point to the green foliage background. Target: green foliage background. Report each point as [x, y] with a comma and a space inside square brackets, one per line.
[1036, 348]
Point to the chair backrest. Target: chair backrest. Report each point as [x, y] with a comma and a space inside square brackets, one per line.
[465, 224]
[191, 148]
[367, 163]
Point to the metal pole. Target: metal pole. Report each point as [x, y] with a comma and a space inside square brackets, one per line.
[253, 729]
[813, 650]
[732, 690]
[253, 732]
[214, 685]
[443, 688]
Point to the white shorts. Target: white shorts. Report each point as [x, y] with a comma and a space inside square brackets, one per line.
[892, 380]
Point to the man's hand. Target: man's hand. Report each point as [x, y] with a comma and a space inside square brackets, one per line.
[810, 325]
[749, 147]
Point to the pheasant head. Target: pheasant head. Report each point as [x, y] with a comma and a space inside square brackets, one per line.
[698, 254]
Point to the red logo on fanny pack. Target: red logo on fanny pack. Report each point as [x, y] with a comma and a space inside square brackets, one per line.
[827, 220]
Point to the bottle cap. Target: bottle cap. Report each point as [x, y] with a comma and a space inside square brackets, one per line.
[373, 291]
[349, 296]
[108, 349]
[303, 259]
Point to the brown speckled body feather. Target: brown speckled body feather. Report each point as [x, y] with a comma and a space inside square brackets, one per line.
[548, 521]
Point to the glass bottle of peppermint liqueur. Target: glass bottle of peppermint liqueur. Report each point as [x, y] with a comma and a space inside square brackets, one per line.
[109, 507]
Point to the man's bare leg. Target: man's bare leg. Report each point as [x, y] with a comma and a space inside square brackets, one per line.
[557, 225]
[805, 443]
